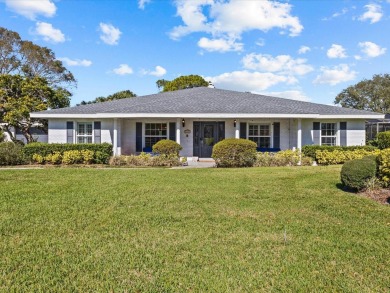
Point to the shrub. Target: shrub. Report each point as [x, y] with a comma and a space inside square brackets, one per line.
[54, 159]
[310, 150]
[11, 154]
[282, 158]
[234, 152]
[102, 151]
[383, 140]
[340, 156]
[384, 166]
[72, 157]
[356, 173]
[167, 147]
[2, 136]
[37, 158]
[145, 160]
[88, 156]
[306, 161]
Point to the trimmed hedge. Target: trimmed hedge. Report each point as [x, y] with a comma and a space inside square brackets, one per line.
[233, 152]
[145, 160]
[355, 173]
[384, 166]
[11, 154]
[102, 152]
[167, 147]
[383, 140]
[310, 150]
[340, 157]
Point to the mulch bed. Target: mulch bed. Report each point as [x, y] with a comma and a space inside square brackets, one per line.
[379, 195]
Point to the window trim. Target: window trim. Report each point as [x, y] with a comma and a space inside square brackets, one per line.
[77, 135]
[270, 125]
[144, 136]
[335, 136]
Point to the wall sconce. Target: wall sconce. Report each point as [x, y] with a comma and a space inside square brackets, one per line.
[183, 122]
[235, 123]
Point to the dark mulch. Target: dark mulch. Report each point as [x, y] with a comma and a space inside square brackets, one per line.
[380, 195]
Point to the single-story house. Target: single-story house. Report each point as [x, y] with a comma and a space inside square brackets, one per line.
[197, 118]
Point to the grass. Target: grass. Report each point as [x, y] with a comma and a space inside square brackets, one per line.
[162, 230]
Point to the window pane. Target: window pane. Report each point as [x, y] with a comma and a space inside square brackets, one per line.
[89, 129]
[328, 141]
[81, 129]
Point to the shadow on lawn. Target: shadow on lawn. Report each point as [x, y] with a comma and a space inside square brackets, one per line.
[381, 195]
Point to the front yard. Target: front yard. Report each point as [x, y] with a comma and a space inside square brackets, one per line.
[162, 230]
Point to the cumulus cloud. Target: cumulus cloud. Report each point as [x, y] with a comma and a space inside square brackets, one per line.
[337, 14]
[31, 9]
[158, 71]
[336, 51]
[219, 45]
[229, 19]
[249, 81]
[335, 75]
[76, 62]
[123, 69]
[283, 64]
[304, 50]
[373, 13]
[291, 94]
[371, 49]
[49, 33]
[142, 3]
[109, 34]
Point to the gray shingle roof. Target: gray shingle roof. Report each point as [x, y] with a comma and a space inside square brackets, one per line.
[207, 100]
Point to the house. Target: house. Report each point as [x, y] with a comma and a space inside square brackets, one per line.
[197, 118]
[38, 134]
[374, 126]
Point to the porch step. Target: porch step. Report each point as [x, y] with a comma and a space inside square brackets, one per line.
[206, 160]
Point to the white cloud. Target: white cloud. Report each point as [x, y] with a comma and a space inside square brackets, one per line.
[142, 3]
[371, 49]
[123, 69]
[158, 71]
[260, 42]
[292, 94]
[283, 64]
[76, 62]
[249, 81]
[373, 14]
[109, 34]
[229, 19]
[357, 57]
[219, 45]
[49, 33]
[336, 51]
[337, 14]
[335, 75]
[304, 50]
[31, 9]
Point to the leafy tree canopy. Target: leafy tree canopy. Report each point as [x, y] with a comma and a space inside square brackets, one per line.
[182, 82]
[117, 96]
[368, 94]
[20, 95]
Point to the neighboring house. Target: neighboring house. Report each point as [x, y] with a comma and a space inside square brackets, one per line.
[374, 126]
[38, 134]
[197, 118]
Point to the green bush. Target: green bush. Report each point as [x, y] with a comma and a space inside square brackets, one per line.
[54, 159]
[102, 152]
[233, 152]
[384, 166]
[37, 158]
[383, 140]
[310, 150]
[340, 156]
[282, 158]
[356, 173]
[88, 156]
[2, 136]
[11, 154]
[145, 160]
[72, 157]
[167, 147]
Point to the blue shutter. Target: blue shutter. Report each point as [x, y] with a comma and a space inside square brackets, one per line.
[97, 130]
[276, 135]
[317, 133]
[243, 130]
[343, 133]
[69, 132]
[138, 137]
[172, 131]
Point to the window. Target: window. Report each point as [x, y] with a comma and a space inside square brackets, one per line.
[260, 134]
[328, 133]
[155, 132]
[84, 132]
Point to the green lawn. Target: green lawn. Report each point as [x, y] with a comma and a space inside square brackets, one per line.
[162, 230]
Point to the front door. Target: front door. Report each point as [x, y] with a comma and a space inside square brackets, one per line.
[206, 135]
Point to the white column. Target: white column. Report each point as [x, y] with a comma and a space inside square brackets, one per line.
[178, 130]
[119, 138]
[237, 130]
[299, 134]
[115, 138]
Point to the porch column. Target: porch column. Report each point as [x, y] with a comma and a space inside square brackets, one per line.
[178, 130]
[299, 134]
[116, 143]
[237, 130]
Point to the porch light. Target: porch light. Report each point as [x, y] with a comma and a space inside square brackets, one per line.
[235, 123]
[183, 122]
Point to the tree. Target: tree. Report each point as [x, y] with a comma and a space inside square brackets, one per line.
[368, 94]
[20, 95]
[182, 82]
[116, 96]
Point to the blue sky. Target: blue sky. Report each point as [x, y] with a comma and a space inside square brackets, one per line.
[306, 50]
